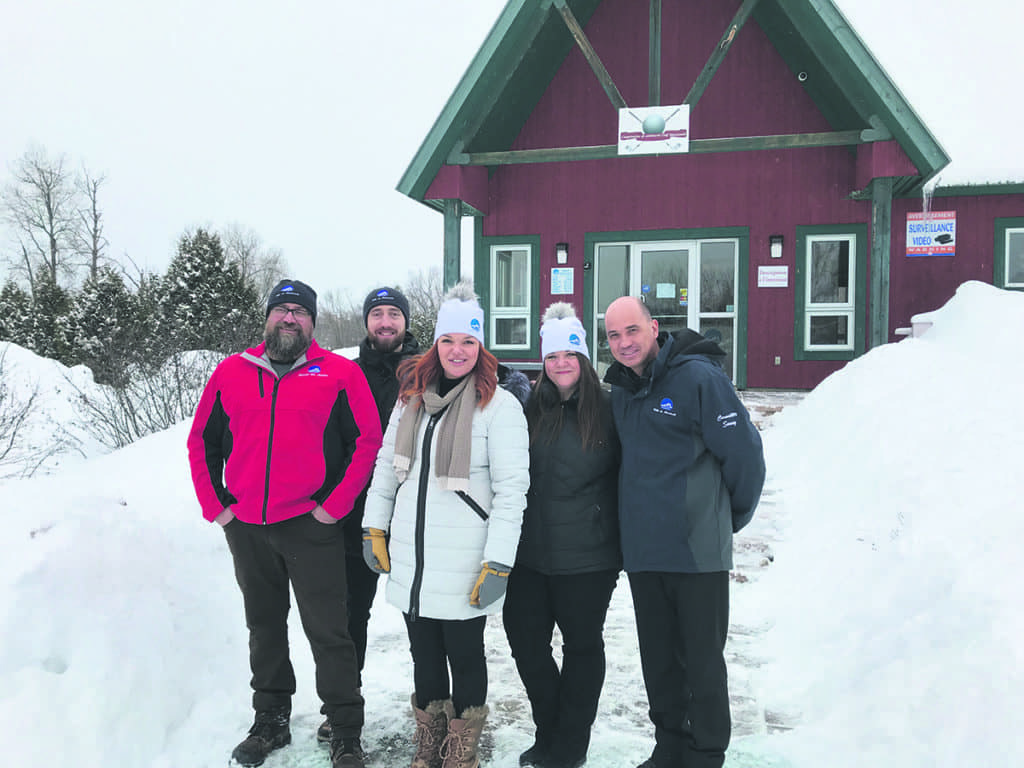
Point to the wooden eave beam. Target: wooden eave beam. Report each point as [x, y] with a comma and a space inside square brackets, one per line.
[590, 54]
[654, 56]
[697, 146]
[718, 55]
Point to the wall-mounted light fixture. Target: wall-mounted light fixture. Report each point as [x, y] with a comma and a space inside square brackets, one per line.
[561, 252]
[775, 246]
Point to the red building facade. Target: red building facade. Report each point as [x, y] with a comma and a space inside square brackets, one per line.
[782, 232]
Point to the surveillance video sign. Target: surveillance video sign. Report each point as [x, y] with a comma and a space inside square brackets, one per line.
[654, 130]
[931, 233]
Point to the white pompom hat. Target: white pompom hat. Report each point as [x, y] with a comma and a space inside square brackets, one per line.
[460, 312]
[562, 331]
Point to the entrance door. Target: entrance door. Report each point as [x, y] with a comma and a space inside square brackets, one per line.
[685, 284]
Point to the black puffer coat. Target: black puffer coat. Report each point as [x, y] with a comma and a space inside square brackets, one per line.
[379, 369]
[571, 523]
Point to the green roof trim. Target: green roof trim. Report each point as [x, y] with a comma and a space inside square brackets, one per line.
[530, 40]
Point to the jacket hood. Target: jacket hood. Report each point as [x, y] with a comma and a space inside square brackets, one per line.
[689, 342]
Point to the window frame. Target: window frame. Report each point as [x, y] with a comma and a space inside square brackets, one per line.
[854, 308]
[485, 263]
[1004, 227]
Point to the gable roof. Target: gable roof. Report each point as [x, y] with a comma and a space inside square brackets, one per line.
[530, 40]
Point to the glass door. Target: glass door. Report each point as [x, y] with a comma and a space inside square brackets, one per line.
[685, 284]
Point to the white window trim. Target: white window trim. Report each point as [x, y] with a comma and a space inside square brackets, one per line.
[1006, 250]
[847, 309]
[515, 313]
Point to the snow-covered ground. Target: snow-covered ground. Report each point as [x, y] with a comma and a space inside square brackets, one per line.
[875, 614]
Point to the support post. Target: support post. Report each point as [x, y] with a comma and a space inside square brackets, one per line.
[654, 57]
[881, 236]
[452, 241]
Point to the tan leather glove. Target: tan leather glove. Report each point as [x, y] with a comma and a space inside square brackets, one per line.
[375, 550]
[490, 584]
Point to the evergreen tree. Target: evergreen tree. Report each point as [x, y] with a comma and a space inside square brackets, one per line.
[51, 327]
[104, 315]
[15, 314]
[204, 303]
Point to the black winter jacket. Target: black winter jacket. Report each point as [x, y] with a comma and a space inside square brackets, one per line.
[692, 461]
[380, 371]
[571, 523]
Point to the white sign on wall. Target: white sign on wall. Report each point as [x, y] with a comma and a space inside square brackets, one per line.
[654, 130]
[561, 281]
[931, 234]
[773, 277]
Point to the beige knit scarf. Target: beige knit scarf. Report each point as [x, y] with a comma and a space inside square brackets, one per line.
[454, 433]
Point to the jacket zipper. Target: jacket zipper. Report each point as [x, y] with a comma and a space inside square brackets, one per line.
[421, 516]
[270, 444]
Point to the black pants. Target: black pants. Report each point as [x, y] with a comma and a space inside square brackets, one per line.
[311, 557]
[682, 621]
[564, 703]
[438, 645]
[362, 588]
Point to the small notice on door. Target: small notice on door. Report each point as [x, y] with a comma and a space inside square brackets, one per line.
[773, 277]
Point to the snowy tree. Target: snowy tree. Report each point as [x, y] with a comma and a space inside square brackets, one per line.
[104, 317]
[15, 313]
[50, 331]
[205, 304]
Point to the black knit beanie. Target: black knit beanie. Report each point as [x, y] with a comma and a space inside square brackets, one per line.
[390, 297]
[293, 292]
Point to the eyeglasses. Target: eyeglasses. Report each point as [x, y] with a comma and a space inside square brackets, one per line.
[299, 313]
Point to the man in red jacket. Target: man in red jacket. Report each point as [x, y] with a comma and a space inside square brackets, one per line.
[283, 441]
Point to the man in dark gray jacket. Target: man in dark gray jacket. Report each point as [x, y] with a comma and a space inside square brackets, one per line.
[691, 476]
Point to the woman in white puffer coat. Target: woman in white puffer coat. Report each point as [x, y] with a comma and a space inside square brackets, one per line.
[450, 487]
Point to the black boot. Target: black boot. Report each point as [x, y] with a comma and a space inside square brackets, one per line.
[346, 752]
[268, 732]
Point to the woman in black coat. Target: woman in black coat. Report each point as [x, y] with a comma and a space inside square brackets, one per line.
[568, 560]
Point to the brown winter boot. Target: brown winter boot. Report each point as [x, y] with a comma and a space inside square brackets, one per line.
[431, 727]
[459, 748]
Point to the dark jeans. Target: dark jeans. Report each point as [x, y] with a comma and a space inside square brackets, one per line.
[311, 557]
[362, 588]
[564, 703]
[682, 620]
[440, 644]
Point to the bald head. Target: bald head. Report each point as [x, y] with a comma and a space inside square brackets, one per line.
[632, 333]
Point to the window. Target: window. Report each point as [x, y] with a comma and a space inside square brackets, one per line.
[1009, 253]
[830, 287]
[829, 299]
[510, 297]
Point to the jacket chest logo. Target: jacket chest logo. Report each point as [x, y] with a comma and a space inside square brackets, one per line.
[666, 407]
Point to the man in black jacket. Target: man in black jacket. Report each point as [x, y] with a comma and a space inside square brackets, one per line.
[387, 343]
[691, 476]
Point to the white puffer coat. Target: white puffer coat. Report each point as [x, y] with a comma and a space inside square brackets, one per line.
[436, 557]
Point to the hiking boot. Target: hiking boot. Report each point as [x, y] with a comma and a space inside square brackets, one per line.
[459, 747]
[323, 733]
[431, 729]
[346, 752]
[268, 732]
[535, 756]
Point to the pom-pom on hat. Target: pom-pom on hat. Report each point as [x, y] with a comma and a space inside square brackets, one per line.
[460, 312]
[293, 292]
[562, 331]
[386, 296]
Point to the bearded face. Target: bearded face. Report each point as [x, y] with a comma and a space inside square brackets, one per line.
[287, 336]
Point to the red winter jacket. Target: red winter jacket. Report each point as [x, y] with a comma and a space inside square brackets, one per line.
[273, 448]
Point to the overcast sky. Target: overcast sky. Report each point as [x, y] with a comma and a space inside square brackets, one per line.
[297, 121]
